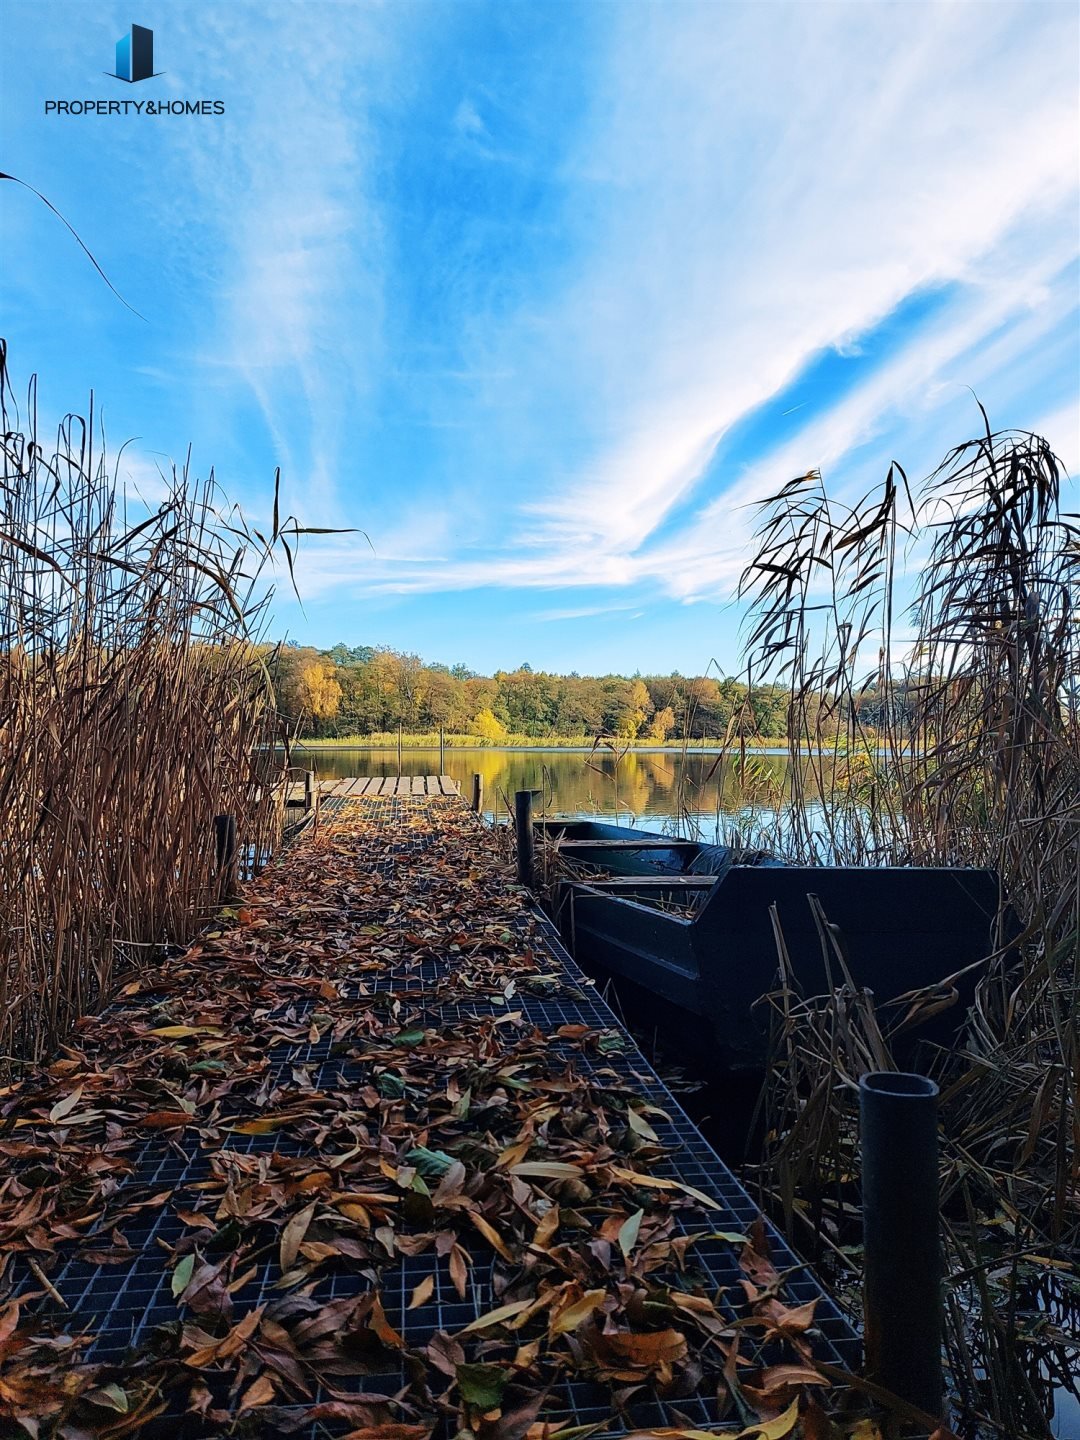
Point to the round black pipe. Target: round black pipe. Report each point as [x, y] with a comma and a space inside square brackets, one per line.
[226, 853]
[901, 1236]
[523, 827]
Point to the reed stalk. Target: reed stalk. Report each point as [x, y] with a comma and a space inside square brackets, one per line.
[963, 749]
[135, 706]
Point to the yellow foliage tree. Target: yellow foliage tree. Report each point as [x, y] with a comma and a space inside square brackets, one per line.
[319, 689]
[488, 727]
[661, 725]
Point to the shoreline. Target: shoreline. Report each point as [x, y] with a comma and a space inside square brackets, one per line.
[540, 748]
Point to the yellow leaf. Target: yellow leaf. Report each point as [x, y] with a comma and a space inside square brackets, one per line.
[423, 1292]
[657, 1182]
[869, 1430]
[572, 1316]
[496, 1317]
[546, 1229]
[184, 1032]
[548, 1170]
[265, 1126]
[514, 1154]
[773, 1429]
[491, 1235]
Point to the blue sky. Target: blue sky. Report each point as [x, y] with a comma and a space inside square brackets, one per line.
[544, 296]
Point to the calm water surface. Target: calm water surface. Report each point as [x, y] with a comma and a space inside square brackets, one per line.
[667, 787]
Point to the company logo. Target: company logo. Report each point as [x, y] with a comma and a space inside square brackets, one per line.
[135, 55]
[135, 62]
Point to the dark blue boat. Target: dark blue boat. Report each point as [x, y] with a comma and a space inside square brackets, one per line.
[692, 924]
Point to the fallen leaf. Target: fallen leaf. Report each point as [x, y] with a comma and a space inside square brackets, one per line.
[423, 1292]
[259, 1392]
[293, 1234]
[65, 1106]
[496, 1317]
[628, 1232]
[571, 1316]
[773, 1429]
[482, 1385]
[181, 1276]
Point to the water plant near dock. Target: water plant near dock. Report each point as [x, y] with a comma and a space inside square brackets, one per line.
[134, 707]
[974, 758]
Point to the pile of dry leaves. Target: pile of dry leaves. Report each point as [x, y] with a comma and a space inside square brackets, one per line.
[328, 1171]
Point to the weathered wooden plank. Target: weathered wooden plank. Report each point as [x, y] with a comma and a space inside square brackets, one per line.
[419, 785]
[448, 786]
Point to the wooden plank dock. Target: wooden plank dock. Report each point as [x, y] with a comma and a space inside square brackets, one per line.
[300, 795]
[374, 1155]
[355, 787]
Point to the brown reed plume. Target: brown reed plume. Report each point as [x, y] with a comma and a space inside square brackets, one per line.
[135, 706]
[965, 749]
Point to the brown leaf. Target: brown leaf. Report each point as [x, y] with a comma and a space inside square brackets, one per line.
[293, 1234]
[382, 1327]
[260, 1392]
[491, 1235]
[423, 1292]
[166, 1119]
[197, 1219]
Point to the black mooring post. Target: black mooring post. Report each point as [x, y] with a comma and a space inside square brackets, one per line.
[225, 853]
[901, 1236]
[478, 793]
[309, 789]
[523, 828]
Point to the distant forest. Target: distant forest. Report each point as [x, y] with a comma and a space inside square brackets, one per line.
[366, 690]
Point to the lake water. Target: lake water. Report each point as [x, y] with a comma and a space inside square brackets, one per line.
[666, 787]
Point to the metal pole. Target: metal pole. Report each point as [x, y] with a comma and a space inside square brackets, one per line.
[478, 793]
[225, 852]
[523, 829]
[399, 748]
[442, 751]
[901, 1236]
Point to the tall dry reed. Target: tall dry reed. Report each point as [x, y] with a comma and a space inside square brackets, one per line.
[957, 742]
[134, 708]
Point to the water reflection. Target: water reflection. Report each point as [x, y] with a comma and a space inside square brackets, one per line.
[667, 787]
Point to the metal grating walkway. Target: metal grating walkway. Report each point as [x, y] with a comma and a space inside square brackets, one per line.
[118, 1281]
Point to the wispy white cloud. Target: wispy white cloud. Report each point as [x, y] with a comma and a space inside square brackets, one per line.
[769, 189]
[503, 307]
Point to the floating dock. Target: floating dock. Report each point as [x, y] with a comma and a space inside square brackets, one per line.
[374, 1156]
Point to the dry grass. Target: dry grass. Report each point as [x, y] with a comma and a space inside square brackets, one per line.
[973, 758]
[133, 708]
